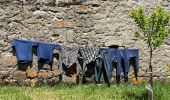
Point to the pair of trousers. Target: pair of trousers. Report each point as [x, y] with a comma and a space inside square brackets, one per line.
[123, 61]
[134, 55]
[103, 65]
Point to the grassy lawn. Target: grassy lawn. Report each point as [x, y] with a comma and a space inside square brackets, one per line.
[84, 92]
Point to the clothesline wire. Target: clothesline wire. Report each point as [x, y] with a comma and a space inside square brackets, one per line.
[66, 44]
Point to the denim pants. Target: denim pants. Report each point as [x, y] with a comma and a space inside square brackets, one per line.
[129, 54]
[103, 65]
[123, 61]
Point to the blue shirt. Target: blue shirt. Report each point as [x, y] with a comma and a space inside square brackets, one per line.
[23, 50]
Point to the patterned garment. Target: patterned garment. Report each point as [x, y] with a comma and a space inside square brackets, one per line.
[70, 56]
[88, 54]
[103, 65]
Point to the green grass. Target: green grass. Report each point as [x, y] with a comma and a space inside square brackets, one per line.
[84, 92]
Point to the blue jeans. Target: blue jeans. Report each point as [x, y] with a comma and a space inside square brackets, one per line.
[103, 65]
[134, 55]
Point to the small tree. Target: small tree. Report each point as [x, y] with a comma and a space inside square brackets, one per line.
[154, 31]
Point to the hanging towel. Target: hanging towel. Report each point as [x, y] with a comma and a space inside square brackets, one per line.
[23, 50]
[70, 56]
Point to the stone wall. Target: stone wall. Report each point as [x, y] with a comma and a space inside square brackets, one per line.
[100, 23]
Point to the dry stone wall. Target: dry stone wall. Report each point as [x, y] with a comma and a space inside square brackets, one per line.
[100, 23]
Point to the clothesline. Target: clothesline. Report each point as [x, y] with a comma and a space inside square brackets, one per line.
[66, 44]
[68, 55]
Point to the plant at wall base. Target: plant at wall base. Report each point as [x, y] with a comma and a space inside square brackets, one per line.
[153, 31]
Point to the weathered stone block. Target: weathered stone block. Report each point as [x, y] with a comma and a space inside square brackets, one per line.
[20, 75]
[61, 24]
[71, 36]
[10, 82]
[79, 1]
[49, 2]
[56, 73]
[3, 1]
[2, 12]
[33, 21]
[9, 60]
[4, 74]
[11, 37]
[2, 42]
[81, 9]
[63, 2]
[39, 14]
[32, 73]
[47, 74]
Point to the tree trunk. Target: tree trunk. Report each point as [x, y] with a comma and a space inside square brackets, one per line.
[150, 69]
[150, 82]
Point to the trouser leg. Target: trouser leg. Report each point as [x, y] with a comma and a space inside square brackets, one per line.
[136, 66]
[98, 70]
[107, 69]
[124, 71]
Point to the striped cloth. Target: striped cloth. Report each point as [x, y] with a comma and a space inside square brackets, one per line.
[88, 54]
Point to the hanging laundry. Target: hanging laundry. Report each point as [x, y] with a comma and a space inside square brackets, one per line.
[124, 56]
[121, 64]
[88, 54]
[45, 51]
[129, 54]
[23, 50]
[103, 65]
[116, 57]
[70, 56]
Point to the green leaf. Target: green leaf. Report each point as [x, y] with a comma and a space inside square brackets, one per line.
[153, 25]
[137, 35]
